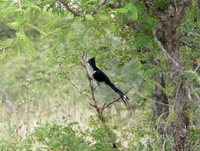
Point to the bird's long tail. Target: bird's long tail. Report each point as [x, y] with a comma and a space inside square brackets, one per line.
[122, 95]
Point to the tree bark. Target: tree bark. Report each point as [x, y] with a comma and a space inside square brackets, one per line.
[181, 121]
[160, 105]
[168, 41]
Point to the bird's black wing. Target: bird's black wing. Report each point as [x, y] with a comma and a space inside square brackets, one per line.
[100, 76]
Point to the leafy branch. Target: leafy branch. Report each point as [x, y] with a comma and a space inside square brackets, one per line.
[116, 5]
[69, 7]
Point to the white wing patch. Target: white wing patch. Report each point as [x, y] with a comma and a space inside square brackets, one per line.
[125, 98]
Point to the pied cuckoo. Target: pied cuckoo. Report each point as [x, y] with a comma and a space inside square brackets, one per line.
[100, 77]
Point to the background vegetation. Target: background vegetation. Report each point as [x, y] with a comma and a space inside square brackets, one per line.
[45, 89]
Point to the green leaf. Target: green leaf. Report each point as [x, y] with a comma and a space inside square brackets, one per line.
[89, 17]
[122, 10]
[7, 43]
[91, 1]
[15, 25]
[104, 17]
[134, 13]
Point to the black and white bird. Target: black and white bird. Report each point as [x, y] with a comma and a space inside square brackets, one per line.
[100, 77]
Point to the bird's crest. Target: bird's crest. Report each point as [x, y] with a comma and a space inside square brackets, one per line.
[92, 61]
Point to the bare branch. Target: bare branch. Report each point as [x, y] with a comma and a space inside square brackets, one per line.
[66, 76]
[158, 13]
[195, 70]
[188, 32]
[73, 84]
[193, 34]
[70, 9]
[175, 5]
[190, 45]
[78, 13]
[102, 2]
[136, 26]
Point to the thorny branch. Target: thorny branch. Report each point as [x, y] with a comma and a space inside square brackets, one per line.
[66, 76]
[76, 12]
[135, 26]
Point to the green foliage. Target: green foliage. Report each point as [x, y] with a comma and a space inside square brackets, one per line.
[102, 136]
[58, 137]
[41, 36]
[70, 137]
[193, 141]
[162, 4]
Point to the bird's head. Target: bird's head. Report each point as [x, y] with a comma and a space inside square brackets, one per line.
[92, 61]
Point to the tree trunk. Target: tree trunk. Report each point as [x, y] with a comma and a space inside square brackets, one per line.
[181, 121]
[167, 39]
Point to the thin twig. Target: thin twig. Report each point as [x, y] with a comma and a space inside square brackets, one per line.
[154, 100]
[66, 76]
[73, 84]
[190, 45]
[115, 100]
[195, 70]
[175, 4]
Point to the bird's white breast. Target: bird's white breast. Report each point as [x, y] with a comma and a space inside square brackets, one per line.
[90, 70]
